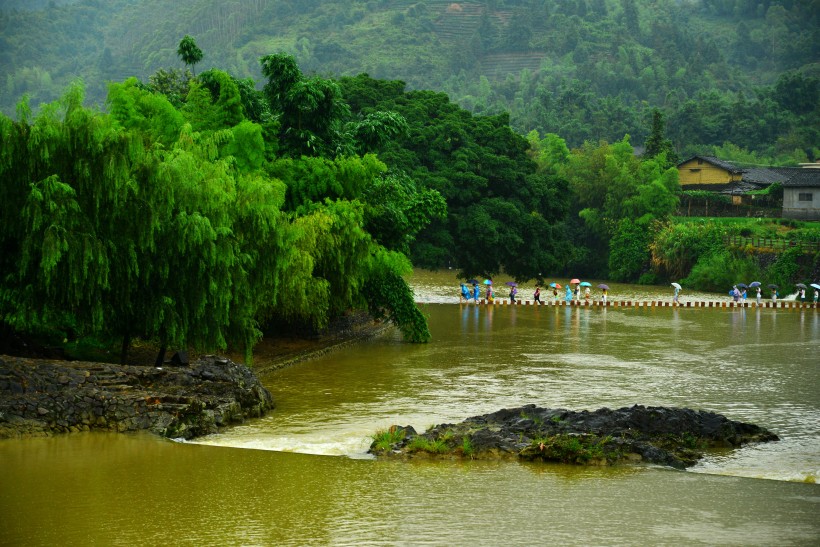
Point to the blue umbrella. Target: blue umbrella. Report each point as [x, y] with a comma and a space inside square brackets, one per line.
[742, 286]
[488, 282]
[586, 284]
[755, 284]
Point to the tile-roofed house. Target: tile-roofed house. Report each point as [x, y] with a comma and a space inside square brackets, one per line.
[764, 176]
[707, 173]
[801, 185]
[724, 177]
[801, 194]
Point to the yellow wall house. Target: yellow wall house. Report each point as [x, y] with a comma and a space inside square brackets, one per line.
[708, 173]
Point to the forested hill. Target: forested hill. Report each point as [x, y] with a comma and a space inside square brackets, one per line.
[584, 69]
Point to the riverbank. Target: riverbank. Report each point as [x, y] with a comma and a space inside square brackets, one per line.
[43, 397]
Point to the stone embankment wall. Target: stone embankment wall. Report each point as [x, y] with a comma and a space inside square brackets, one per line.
[44, 397]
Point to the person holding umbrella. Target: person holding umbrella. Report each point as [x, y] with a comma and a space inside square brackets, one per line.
[577, 289]
[802, 292]
[476, 292]
[536, 297]
[513, 291]
[603, 288]
[555, 287]
[758, 294]
[677, 291]
[586, 285]
[489, 284]
[774, 292]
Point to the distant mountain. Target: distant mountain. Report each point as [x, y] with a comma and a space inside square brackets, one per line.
[585, 69]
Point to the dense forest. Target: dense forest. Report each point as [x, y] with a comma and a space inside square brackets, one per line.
[732, 76]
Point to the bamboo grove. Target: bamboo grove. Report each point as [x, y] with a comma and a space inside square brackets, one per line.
[197, 224]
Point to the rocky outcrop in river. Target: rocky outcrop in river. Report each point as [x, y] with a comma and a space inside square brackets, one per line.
[44, 397]
[675, 437]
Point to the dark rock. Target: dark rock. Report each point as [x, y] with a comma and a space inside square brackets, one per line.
[676, 437]
[191, 401]
[180, 358]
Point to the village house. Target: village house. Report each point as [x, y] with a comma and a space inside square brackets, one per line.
[801, 185]
[801, 193]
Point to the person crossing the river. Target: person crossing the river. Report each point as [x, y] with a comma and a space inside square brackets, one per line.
[465, 293]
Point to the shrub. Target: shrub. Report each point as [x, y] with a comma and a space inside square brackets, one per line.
[629, 250]
[384, 440]
[719, 270]
[423, 444]
[677, 247]
[784, 270]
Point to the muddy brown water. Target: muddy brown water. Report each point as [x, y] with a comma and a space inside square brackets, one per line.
[301, 475]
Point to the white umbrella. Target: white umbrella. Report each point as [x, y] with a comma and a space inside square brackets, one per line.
[677, 286]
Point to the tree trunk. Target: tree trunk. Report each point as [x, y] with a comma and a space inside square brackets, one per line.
[161, 355]
[126, 343]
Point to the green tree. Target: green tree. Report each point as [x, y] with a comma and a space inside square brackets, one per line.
[620, 197]
[120, 220]
[150, 115]
[172, 83]
[797, 93]
[185, 244]
[501, 213]
[312, 111]
[657, 143]
[189, 52]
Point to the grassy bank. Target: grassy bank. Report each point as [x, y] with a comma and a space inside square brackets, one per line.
[712, 254]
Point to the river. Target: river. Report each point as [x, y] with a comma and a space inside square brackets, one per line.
[301, 475]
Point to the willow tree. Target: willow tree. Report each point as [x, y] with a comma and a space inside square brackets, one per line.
[119, 236]
[74, 239]
[136, 225]
[350, 211]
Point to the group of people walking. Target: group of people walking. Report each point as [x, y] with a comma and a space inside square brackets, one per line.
[738, 294]
[570, 294]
